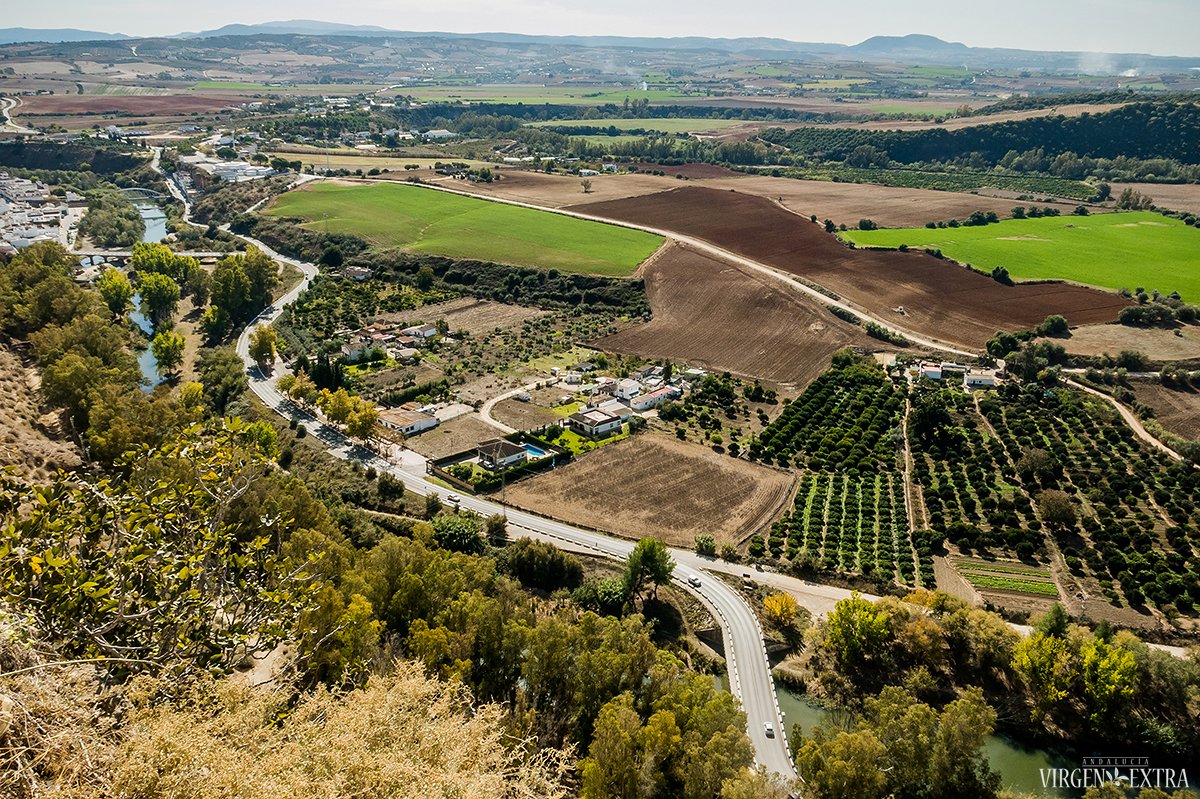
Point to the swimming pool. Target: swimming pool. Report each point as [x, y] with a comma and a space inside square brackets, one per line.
[534, 452]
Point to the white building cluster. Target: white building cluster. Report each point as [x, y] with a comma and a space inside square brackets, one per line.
[29, 213]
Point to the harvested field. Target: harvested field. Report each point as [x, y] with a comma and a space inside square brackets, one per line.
[1155, 343]
[28, 438]
[942, 300]
[454, 436]
[890, 206]
[470, 314]
[147, 105]
[556, 191]
[697, 300]
[624, 489]
[955, 123]
[1177, 410]
[1176, 196]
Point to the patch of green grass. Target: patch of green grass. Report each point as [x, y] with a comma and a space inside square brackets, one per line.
[835, 83]
[424, 220]
[577, 444]
[663, 125]
[1012, 584]
[536, 95]
[1111, 251]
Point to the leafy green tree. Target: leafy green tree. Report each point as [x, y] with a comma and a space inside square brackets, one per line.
[610, 771]
[425, 278]
[1109, 679]
[844, 765]
[496, 529]
[648, 563]
[960, 765]
[855, 632]
[908, 729]
[706, 545]
[230, 289]
[151, 573]
[70, 382]
[1045, 664]
[223, 376]
[160, 259]
[262, 345]
[458, 532]
[1054, 325]
[160, 297]
[362, 420]
[168, 349]
[116, 290]
[540, 564]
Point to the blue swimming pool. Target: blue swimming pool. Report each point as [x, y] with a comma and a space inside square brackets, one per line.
[534, 452]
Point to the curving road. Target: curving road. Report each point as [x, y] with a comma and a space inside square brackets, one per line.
[749, 670]
[7, 104]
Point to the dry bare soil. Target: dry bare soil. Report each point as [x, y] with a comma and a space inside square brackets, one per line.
[942, 300]
[1176, 196]
[29, 439]
[1177, 410]
[458, 434]
[137, 105]
[713, 313]
[654, 485]
[470, 314]
[847, 203]
[1156, 343]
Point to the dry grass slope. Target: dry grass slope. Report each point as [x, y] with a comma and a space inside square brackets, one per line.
[29, 439]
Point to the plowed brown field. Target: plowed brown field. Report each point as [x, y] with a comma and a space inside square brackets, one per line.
[148, 105]
[714, 313]
[941, 300]
[653, 485]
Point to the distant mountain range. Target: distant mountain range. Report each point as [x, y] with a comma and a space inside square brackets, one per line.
[16, 35]
[912, 49]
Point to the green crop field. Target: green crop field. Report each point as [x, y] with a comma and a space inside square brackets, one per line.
[664, 125]
[424, 220]
[1111, 251]
[535, 94]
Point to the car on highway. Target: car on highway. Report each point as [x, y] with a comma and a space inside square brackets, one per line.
[769, 728]
[694, 581]
[455, 498]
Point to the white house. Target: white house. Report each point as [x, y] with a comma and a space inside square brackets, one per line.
[407, 422]
[979, 379]
[627, 389]
[613, 408]
[594, 423]
[498, 454]
[420, 331]
[933, 371]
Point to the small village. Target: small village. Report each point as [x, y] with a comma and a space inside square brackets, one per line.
[30, 212]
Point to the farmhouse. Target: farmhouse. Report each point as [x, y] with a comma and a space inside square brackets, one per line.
[612, 407]
[932, 371]
[408, 422]
[499, 454]
[594, 423]
[357, 346]
[645, 402]
[627, 389]
[420, 331]
[979, 378]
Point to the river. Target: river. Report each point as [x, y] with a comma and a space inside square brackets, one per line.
[1020, 766]
[156, 230]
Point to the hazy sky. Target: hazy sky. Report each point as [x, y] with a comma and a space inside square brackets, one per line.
[1162, 27]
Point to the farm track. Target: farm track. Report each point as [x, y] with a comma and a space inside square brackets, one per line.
[782, 275]
[945, 305]
[718, 314]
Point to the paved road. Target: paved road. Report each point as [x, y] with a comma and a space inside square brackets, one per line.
[749, 671]
[7, 104]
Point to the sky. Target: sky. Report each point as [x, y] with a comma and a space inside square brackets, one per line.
[1160, 27]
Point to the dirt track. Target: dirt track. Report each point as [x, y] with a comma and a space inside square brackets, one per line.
[711, 312]
[941, 300]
